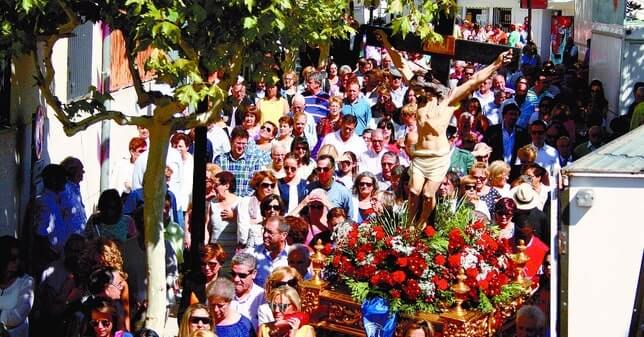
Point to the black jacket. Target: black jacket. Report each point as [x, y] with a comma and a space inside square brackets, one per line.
[494, 138]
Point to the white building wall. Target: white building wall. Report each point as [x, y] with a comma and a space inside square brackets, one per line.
[605, 252]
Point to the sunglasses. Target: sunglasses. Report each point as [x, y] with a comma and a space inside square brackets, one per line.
[211, 265]
[199, 319]
[292, 283]
[281, 306]
[274, 207]
[290, 168]
[470, 187]
[267, 185]
[241, 275]
[363, 183]
[316, 206]
[480, 177]
[269, 129]
[322, 169]
[502, 213]
[345, 162]
[95, 323]
[537, 132]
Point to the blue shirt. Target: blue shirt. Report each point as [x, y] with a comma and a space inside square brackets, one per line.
[265, 263]
[243, 327]
[361, 109]
[527, 109]
[317, 105]
[73, 209]
[338, 195]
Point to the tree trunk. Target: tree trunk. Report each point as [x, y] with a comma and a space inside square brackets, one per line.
[154, 190]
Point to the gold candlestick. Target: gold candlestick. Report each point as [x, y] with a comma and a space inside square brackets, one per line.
[317, 260]
[520, 259]
[460, 289]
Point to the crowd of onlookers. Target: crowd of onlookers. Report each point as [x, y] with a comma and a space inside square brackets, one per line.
[289, 164]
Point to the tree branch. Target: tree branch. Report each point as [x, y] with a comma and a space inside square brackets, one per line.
[143, 97]
[118, 117]
[203, 119]
[234, 68]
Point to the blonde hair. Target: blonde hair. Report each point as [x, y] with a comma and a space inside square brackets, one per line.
[203, 333]
[330, 150]
[497, 169]
[288, 292]
[480, 166]
[279, 274]
[336, 99]
[184, 326]
[527, 154]
[409, 109]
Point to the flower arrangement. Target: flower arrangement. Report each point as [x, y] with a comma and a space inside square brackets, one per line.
[414, 268]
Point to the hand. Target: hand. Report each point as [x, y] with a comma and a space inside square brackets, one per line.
[227, 214]
[381, 36]
[505, 57]
[294, 323]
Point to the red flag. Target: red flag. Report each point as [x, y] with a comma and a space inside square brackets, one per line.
[534, 4]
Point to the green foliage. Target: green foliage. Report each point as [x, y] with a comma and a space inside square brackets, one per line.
[508, 293]
[446, 220]
[484, 303]
[391, 219]
[359, 290]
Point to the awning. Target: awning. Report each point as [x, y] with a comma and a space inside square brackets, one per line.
[566, 6]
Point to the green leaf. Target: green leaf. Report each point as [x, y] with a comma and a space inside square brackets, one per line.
[250, 22]
[396, 6]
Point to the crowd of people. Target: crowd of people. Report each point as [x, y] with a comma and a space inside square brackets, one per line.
[289, 163]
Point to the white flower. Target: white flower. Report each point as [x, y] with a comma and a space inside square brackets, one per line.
[470, 259]
[398, 245]
[428, 288]
[485, 268]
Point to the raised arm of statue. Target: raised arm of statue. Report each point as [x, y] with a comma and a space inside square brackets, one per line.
[396, 58]
[479, 77]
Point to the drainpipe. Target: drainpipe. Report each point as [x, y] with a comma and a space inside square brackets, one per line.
[104, 86]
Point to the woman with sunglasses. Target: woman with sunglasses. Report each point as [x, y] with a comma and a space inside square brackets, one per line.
[267, 133]
[306, 165]
[313, 210]
[16, 289]
[486, 193]
[290, 321]
[196, 317]
[104, 319]
[347, 169]
[364, 188]
[228, 321]
[249, 233]
[291, 188]
[504, 210]
[467, 191]
[281, 276]
[195, 283]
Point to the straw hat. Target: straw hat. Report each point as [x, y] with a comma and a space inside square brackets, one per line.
[481, 150]
[525, 197]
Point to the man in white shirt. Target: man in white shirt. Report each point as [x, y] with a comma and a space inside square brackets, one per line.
[219, 140]
[493, 109]
[370, 159]
[547, 156]
[248, 295]
[346, 139]
[484, 94]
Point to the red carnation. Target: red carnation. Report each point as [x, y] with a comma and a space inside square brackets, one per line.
[402, 262]
[471, 272]
[442, 284]
[440, 260]
[395, 293]
[380, 233]
[361, 256]
[429, 231]
[454, 261]
[328, 248]
[398, 276]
